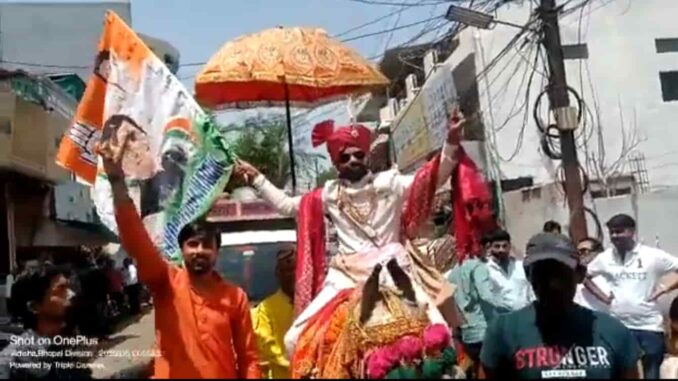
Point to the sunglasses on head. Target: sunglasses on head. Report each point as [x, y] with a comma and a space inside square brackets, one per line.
[346, 157]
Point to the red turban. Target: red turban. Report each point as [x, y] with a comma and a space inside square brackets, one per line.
[338, 140]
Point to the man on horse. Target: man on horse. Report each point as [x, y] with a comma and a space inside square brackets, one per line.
[375, 215]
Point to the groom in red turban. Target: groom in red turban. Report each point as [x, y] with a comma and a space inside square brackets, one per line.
[375, 216]
[348, 147]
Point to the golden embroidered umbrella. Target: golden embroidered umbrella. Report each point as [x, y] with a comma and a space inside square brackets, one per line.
[300, 67]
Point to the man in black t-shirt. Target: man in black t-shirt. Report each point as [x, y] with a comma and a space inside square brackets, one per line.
[554, 337]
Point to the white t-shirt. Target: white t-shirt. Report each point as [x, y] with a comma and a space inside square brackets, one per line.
[633, 282]
[131, 275]
[511, 287]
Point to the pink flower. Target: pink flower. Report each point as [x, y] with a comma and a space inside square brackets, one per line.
[436, 338]
[379, 364]
[409, 348]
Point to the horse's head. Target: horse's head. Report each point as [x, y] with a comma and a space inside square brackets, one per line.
[373, 295]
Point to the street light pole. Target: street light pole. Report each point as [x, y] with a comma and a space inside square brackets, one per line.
[565, 116]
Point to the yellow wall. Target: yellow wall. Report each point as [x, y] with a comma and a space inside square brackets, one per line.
[6, 116]
[32, 146]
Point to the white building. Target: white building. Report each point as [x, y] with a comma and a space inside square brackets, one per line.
[621, 56]
[62, 36]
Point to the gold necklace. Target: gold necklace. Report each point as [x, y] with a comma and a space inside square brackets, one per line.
[345, 203]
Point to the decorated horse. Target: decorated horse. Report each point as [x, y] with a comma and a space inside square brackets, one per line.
[378, 330]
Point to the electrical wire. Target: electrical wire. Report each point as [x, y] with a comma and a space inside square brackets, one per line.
[395, 24]
[389, 30]
[375, 21]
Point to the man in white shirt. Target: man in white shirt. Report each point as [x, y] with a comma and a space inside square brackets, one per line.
[509, 284]
[633, 272]
[368, 212]
[132, 285]
[588, 249]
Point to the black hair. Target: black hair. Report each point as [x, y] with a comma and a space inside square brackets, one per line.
[596, 245]
[34, 288]
[485, 239]
[621, 221]
[127, 261]
[199, 228]
[673, 310]
[497, 235]
[114, 122]
[550, 226]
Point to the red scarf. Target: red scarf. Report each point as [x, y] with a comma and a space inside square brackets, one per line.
[420, 199]
[472, 203]
[310, 271]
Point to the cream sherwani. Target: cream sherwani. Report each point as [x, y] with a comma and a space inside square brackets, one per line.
[377, 241]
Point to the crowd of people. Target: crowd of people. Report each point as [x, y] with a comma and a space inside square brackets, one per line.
[566, 330]
[103, 294]
[564, 310]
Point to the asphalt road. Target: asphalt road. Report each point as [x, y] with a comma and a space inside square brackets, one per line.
[128, 353]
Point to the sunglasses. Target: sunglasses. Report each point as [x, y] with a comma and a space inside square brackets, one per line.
[346, 157]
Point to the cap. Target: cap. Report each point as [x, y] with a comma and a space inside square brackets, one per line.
[621, 221]
[552, 246]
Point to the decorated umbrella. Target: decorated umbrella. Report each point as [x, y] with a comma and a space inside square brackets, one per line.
[294, 67]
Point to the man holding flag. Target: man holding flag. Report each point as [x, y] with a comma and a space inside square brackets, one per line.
[203, 323]
[163, 157]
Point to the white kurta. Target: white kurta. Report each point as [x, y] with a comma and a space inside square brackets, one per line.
[390, 189]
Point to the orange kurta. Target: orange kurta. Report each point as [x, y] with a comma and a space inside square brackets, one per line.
[198, 336]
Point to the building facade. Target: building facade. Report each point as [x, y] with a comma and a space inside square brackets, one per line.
[621, 57]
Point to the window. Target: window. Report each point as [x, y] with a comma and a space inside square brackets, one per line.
[575, 52]
[669, 80]
[666, 45]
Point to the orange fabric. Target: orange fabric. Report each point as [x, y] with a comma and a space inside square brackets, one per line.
[255, 67]
[76, 150]
[319, 336]
[199, 336]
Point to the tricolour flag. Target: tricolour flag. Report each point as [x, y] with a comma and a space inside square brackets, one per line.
[176, 163]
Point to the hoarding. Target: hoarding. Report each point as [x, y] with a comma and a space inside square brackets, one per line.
[421, 127]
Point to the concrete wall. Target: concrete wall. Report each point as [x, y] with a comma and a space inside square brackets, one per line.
[527, 209]
[30, 142]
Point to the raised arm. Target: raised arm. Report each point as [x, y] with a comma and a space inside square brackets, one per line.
[285, 204]
[448, 157]
[448, 161]
[282, 202]
[152, 268]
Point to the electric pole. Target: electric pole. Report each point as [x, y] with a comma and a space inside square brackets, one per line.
[566, 118]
